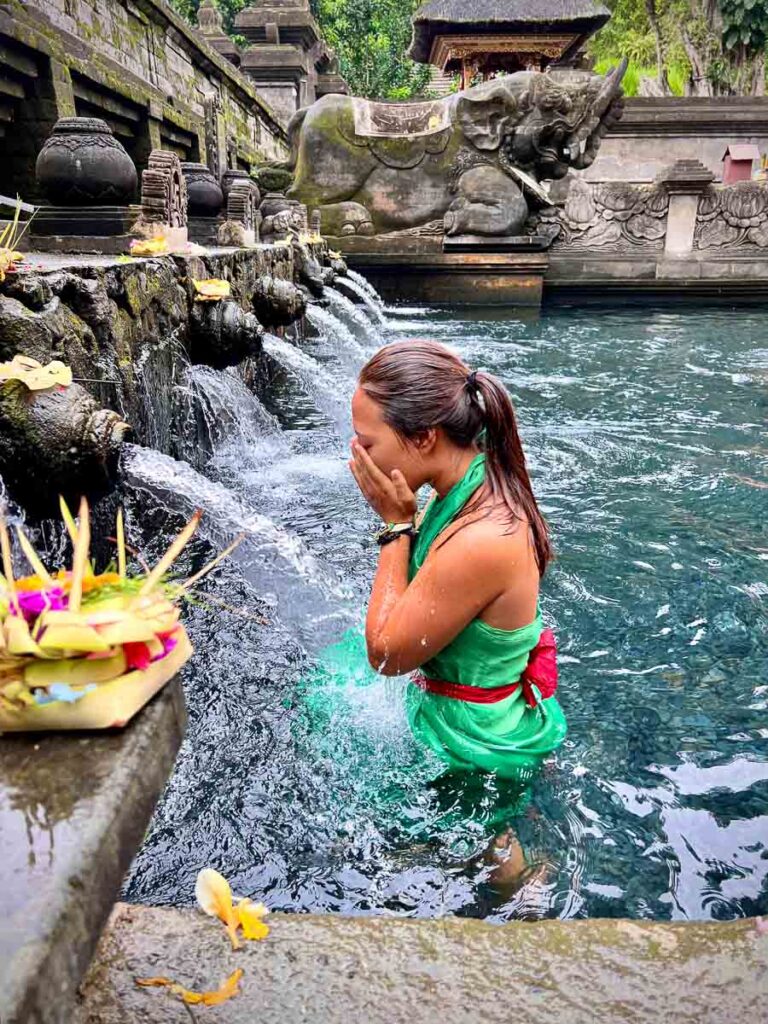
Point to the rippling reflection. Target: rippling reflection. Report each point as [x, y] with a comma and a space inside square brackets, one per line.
[646, 435]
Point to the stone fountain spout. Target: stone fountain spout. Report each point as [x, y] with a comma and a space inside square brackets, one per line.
[58, 441]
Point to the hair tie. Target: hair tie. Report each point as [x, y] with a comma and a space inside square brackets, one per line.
[473, 390]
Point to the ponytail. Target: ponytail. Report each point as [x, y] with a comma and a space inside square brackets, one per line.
[506, 470]
[421, 385]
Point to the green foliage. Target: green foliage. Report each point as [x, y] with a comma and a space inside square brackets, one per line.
[627, 34]
[370, 38]
[706, 47]
[677, 75]
[272, 179]
[745, 23]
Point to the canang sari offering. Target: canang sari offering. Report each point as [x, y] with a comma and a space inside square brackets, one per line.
[85, 651]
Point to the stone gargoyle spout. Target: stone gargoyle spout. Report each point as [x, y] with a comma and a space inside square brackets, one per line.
[471, 162]
[56, 441]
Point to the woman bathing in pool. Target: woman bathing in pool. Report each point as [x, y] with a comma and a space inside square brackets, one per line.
[455, 601]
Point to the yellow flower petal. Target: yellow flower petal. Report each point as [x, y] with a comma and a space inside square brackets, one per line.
[227, 990]
[250, 915]
[214, 895]
[148, 246]
[34, 375]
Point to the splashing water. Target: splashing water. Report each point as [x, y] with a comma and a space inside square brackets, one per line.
[645, 434]
[274, 561]
[336, 338]
[366, 286]
[229, 410]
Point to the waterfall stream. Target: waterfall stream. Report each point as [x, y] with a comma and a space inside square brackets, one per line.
[372, 307]
[353, 315]
[366, 286]
[332, 394]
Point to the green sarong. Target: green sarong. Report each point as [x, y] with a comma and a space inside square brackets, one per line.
[508, 737]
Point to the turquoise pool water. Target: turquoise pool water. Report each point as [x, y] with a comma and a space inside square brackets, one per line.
[646, 434]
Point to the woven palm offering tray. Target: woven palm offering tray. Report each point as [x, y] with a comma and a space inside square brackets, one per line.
[85, 651]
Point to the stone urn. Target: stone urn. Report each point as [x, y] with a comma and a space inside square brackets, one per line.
[82, 163]
[204, 195]
[235, 177]
[274, 202]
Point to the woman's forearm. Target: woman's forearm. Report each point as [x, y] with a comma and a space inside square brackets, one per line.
[390, 584]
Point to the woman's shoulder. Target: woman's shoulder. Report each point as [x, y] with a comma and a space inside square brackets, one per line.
[487, 529]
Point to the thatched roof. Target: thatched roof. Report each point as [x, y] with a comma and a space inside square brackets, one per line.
[488, 17]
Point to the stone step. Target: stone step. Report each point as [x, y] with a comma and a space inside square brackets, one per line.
[73, 812]
[336, 970]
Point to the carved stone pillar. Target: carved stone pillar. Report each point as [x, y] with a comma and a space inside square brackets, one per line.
[685, 181]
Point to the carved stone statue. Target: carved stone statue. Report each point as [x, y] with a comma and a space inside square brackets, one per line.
[468, 164]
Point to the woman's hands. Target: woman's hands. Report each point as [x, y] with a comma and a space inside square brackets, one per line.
[389, 497]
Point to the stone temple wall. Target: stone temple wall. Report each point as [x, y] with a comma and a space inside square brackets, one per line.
[655, 132]
[140, 67]
[684, 232]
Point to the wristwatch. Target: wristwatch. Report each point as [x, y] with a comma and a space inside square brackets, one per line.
[391, 531]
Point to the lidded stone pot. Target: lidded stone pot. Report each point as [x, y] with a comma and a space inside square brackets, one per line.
[205, 198]
[234, 176]
[82, 163]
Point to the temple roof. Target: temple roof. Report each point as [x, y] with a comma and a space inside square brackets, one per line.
[492, 17]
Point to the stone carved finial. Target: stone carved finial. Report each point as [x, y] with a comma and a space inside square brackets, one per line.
[164, 190]
[209, 19]
[243, 203]
[82, 163]
[687, 176]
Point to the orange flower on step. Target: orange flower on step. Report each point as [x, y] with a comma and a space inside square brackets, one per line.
[227, 990]
[214, 895]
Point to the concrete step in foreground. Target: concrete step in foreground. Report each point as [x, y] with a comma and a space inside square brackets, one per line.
[336, 970]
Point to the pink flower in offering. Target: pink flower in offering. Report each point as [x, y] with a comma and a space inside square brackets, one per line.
[137, 656]
[33, 602]
[169, 642]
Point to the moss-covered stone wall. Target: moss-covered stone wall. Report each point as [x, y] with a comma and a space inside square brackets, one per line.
[129, 329]
[136, 64]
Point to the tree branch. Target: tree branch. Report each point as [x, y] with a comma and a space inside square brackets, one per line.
[661, 71]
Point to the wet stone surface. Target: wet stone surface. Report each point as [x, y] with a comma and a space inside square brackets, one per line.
[388, 971]
[73, 811]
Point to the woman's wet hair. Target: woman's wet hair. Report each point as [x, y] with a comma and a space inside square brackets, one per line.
[422, 385]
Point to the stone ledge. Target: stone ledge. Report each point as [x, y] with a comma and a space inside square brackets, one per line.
[651, 116]
[73, 812]
[336, 970]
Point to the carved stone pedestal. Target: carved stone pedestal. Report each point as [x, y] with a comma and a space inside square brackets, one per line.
[204, 230]
[685, 182]
[456, 278]
[103, 229]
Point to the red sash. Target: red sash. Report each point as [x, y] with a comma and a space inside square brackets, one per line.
[540, 671]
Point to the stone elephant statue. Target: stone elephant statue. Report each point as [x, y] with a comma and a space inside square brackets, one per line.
[373, 168]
